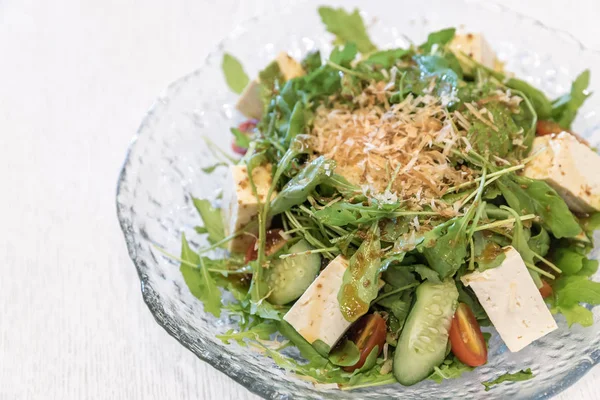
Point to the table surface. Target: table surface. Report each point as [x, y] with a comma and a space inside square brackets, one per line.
[77, 77]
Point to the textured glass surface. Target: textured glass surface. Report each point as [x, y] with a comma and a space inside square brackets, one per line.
[164, 165]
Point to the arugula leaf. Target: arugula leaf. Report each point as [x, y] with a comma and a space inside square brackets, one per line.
[440, 38]
[311, 61]
[399, 305]
[540, 243]
[530, 196]
[211, 168]
[427, 273]
[447, 253]
[386, 58]
[572, 290]
[451, 368]
[359, 285]
[522, 375]
[296, 191]
[438, 68]
[306, 350]
[345, 354]
[261, 331]
[234, 73]
[564, 109]
[466, 295]
[498, 140]
[344, 55]
[576, 314]
[591, 223]
[570, 262]
[241, 139]
[347, 27]
[198, 279]
[589, 268]
[488, 254]
[296, 124]
[398, 276]
[213, 222]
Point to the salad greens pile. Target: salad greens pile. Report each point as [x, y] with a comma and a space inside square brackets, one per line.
[384, 240]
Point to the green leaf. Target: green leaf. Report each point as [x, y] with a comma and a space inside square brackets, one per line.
[572, 290]
[399, 305]
[262, 331]
[212, 219]
[198, 279]
[530, 196]
[306, 350]
[591, 223]
[369, 361]
[345, 354]
[568, 261]
[487, 140]
[234, 73]
[344, 55]
[488, 254]
[564, 109]
[589, 268]
[427, 273]
[211, 168]
[386, 58]
[466, 295]
[241, 139]
[311, 61]
[398, 276]
[200, 230]
[437, 68]
[577, 314]
[540, 243]
[348, 28]
[360, 282]
[540, 102]
[522, 375]
[296, 124]
[440, 38]
[451, 368]
[447, 253]
[297, 190]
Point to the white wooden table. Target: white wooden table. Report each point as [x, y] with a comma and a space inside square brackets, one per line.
[76, 77]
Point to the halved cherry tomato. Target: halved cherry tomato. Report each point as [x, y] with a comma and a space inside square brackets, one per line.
[468, 344]
[246, 127]
[549, 127]
[546, 290]
[544, 128]
[366, 333]
[273, 243]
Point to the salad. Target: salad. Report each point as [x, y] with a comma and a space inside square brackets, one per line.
[387, 205]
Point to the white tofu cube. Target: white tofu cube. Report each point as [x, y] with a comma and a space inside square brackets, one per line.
[289, 67]
[512, 301]
[476, 47]
[570, 167]
[316, 315]
[240, 205]
[250, 102]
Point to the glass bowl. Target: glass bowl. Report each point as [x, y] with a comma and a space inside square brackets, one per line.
[164, 168]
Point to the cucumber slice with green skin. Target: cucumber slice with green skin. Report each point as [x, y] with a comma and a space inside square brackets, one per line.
[288, 278]
[424, 339]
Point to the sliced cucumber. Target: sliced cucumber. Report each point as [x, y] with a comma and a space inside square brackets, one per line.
[288, 278]
[424, 339]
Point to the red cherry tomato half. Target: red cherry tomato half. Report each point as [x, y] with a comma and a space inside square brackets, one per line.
[248, 126]
[273, 243]
[468, 344]
[546, 290]
[368, 332]
[237, 149]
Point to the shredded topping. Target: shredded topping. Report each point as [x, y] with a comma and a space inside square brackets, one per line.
[397, 151]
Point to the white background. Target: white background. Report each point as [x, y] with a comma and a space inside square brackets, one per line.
[75, 80]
